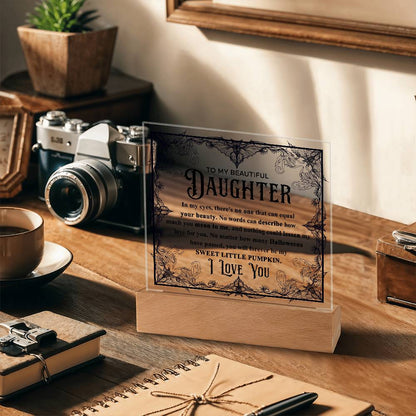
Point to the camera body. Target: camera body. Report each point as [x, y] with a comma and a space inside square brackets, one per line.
[24, 337]
[93, 172]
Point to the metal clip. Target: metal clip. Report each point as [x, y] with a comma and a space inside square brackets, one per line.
[46, 375]
[404, 237]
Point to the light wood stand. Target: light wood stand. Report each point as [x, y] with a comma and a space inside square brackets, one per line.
[238, 321]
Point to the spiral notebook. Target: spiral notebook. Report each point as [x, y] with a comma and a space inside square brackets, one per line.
[215, 386]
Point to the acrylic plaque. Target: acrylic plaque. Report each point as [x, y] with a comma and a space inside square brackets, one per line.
[239, 216]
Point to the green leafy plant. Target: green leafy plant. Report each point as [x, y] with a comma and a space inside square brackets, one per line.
[62, 16]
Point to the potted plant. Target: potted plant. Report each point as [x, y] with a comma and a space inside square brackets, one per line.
[65, 57]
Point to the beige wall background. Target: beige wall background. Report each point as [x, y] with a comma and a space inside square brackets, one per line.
[361, 102]
[401, 12]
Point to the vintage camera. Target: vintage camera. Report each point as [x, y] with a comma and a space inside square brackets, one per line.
[93, 172]
[25, 337]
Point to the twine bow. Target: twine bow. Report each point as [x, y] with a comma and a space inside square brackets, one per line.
[191, 401]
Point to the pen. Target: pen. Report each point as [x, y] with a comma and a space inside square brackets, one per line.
[286, 406]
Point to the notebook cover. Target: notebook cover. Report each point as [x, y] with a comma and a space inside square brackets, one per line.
[70, 333]
[230, 374]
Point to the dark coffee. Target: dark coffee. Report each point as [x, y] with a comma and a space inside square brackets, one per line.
[8, 230]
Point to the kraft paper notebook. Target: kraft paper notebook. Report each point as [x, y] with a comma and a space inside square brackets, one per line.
[178, 388]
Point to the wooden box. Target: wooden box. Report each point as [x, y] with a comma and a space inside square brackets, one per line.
[396, 271]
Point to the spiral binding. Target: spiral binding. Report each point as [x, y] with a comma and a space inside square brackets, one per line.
[108, 400]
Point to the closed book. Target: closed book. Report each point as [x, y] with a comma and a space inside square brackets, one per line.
[77, 344]
[215, 386]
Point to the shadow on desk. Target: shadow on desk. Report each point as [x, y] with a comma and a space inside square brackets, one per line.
[379, 345]
[86, 300]
[339, 248]
[113, 231]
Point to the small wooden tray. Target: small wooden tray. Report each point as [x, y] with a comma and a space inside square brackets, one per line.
[396, 271]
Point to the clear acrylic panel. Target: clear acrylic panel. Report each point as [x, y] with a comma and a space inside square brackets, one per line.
[238, 215]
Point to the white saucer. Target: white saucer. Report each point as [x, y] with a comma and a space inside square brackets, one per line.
[54, 261]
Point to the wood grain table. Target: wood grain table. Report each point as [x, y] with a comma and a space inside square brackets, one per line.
[375, 359]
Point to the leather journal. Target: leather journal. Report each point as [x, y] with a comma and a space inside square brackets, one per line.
[77, 344]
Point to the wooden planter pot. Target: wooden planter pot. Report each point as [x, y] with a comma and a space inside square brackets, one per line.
[67, 64]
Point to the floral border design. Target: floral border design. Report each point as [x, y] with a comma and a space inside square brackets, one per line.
[167, 272]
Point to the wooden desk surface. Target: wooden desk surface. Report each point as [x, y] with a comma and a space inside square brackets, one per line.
[375, 359]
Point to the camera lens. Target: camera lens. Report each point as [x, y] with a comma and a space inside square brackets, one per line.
[67, 198]
[81, 191]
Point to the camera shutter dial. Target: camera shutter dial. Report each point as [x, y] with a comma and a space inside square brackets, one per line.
[53, 118]
[135, 133]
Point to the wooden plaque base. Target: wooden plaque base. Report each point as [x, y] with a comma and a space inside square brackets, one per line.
[238, 321]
